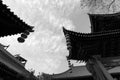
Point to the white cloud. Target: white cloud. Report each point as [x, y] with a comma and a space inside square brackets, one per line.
[45, 49]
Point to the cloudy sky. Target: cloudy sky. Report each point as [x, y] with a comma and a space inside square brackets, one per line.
[45, 49]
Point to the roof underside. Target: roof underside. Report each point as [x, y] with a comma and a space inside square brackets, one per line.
[83, 46]
[10, 24]
[104, 22]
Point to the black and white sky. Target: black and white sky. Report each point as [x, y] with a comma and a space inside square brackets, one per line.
[45, 49]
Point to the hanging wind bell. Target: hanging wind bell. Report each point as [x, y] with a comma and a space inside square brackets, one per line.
[24, 35]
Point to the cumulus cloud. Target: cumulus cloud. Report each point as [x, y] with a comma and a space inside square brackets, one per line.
[45, 49]
[46, 46]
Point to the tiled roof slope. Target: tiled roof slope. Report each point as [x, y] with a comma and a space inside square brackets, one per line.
[10, 24]
[12, 63]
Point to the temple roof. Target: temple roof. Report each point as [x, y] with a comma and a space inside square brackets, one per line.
[82, 46]
[92, 36]
[104, 22]
[10, 23]
[79, 72]
[9, 61]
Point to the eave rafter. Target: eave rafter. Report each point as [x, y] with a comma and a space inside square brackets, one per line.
[82, 46]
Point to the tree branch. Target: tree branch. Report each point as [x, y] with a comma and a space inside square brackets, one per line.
[111, 4]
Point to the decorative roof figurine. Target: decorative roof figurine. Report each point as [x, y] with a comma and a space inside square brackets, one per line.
[11, 24]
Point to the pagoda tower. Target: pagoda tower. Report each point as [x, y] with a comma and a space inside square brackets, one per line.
[100, 49]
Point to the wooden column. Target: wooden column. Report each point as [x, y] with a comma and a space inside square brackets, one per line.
[97, 69]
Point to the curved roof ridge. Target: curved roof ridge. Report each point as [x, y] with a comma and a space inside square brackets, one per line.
[92, 35]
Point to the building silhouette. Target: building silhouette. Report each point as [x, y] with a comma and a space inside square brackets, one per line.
[100, 49]
[11, 24]
[13, 67]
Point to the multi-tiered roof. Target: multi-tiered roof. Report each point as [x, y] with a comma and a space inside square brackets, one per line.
[103, 40]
